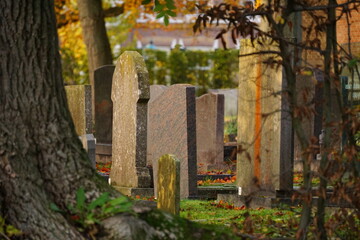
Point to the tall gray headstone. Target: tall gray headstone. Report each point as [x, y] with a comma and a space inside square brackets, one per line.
[264, 161]
[79, 101]
[210, 130]
[172, 130]
[130, 94]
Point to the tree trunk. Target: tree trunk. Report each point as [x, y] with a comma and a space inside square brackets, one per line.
[95, 37]
[41, 158]
[42, 161]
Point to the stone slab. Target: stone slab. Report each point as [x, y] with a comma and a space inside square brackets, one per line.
[209, 130]
[211, 193]
[172, 130]
[103, 103]
[264, 159]
[88, 142]
[79, 102]
[130, 94]
[105, 149]
[168, 184]
[103, 152]
[231, 100]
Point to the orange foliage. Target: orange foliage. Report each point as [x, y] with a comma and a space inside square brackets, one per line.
[216, 181]
[222, 204]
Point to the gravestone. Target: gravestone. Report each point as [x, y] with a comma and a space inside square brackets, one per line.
[156, 91]
[264, 161]
[103, 104]
[103, 112]
[231, 100]
[88, 142]
[172, 130]
[210, 130]
[168, 190]
[79, 102]
[130, 94]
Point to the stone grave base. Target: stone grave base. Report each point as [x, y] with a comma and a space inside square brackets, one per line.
[103, 152]
[211, 192]
[256, 201]
[133, 192]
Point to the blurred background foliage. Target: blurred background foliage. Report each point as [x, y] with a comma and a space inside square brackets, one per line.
[207, 70]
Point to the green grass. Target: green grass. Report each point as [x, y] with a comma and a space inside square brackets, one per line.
[259, 222]
[267, 223]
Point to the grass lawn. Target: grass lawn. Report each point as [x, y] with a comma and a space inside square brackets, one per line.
[267, 223]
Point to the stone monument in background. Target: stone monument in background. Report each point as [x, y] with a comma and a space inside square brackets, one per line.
[130, 94]
[210, 131]
[79, 101]
[172, 130]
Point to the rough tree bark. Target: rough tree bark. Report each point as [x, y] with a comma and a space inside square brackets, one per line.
[41, 158]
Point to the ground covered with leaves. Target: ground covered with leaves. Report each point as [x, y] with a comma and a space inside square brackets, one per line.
[264, 223]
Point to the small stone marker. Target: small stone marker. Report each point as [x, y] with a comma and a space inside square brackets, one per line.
[79, 102]
[130, 94]
[168, 190]
[210, 130]
[88, 142]
[172, 130]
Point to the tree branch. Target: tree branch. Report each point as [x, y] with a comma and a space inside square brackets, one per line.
[73, 17]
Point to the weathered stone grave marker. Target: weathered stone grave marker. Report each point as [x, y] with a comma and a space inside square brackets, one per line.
[172, 130]
[168, 183]
[210, 130]
[130, 94]
[264, 127]
[79, 101]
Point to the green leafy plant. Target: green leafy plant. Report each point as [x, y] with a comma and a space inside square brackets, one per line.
[163, 9]
[231, 126]
[87, 215]
[7, 231]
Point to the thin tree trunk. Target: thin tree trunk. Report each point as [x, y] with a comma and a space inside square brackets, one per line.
[95, 37]
[327, 106]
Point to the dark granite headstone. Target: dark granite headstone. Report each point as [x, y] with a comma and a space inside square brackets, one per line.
[103, 104]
